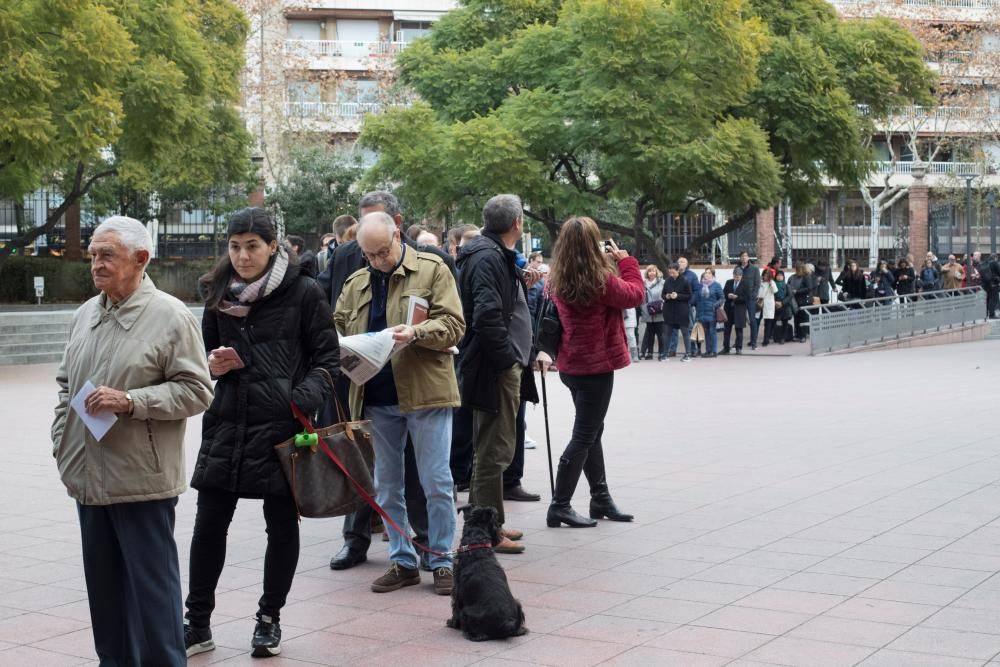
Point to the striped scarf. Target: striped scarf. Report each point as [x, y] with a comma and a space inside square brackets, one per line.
[242, 294]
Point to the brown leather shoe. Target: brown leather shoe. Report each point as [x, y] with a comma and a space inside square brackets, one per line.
[508, 546]
[512, 533]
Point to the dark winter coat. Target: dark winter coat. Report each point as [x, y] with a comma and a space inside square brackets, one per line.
[930, 279]
[906, 282]
[736, 309]
[284, 341]
[487, 283]
[854, 285]
[676, 312]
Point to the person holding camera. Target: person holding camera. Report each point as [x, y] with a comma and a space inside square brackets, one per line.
[590, 284]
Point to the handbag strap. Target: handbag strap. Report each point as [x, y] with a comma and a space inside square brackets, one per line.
[358, 487]
[341, 413]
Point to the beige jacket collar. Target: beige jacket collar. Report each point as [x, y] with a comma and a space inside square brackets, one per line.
[128, 310]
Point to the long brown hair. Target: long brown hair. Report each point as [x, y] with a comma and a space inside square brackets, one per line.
[580, 267]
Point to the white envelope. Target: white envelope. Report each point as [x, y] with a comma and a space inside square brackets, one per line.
[98, 424]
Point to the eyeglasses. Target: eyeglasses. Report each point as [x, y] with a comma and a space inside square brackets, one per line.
[380, 255]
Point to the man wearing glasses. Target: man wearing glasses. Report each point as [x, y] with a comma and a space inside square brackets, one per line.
[347, 259]
[413, 394]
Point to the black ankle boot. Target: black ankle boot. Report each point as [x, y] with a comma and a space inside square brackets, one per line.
[560, 510]
[602, 506]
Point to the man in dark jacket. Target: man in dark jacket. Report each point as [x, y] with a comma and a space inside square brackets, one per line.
[308, 264]
[989, 273]
[692, 280]
[737, 293]
[496, 350]
[347, 259]
[751, 274]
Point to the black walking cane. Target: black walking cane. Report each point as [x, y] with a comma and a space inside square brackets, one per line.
[548, 439]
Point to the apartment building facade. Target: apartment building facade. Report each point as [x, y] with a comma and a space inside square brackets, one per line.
[928, 160]
[316, 68]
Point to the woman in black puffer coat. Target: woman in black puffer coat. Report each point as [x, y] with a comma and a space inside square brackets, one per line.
[278, 321]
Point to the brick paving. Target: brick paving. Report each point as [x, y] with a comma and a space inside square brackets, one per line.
[790, 511]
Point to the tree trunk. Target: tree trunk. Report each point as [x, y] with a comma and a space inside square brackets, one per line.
[873, 234]
[76, 193]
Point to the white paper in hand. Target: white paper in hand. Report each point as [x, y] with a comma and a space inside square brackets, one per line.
[98, 424]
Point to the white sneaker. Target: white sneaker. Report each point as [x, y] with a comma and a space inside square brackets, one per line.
[529, 442]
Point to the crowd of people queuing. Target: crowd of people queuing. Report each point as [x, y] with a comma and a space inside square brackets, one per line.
[441, 423]
[772, 303]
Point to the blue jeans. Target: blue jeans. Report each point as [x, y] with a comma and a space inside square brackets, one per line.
[711, 337]
[430, 431]
[672, 335]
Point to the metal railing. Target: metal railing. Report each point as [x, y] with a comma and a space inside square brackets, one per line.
[851, 324]
[316, 48]
[956, 4]
[327, 110]
[919, 113]
[957, 168]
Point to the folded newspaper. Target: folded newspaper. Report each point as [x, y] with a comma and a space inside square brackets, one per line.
[362, 356]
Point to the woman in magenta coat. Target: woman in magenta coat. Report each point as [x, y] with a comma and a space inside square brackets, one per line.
[590, 282]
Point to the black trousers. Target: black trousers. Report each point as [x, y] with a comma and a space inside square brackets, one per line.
[768, 331]
[992, 301]
[133, 583]
[462, 445]
[208, 553]
[726, 335]
[591, 399]
[753, 321]
[515, 471]
[653, 330]
[358, 525]
[801, 324]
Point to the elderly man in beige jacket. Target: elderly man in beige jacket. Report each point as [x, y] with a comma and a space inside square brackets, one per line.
[142, 351]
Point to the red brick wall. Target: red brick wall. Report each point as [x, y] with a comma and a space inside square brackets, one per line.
[919, 230]
[765, 236]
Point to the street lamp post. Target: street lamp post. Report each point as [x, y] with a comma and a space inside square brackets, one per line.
[968, 227]
[991, 200]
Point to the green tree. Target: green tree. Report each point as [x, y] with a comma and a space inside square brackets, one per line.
[320, 186]
[580, 110]
[663, 104]
[144, 90]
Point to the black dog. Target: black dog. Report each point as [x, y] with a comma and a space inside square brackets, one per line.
[482, 606]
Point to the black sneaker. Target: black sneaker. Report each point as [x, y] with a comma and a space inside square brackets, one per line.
[266, 638]
[197, 640]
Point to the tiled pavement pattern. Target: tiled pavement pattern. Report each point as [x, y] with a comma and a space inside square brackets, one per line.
[791, 511]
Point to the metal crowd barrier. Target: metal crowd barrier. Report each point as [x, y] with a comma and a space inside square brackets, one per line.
[847, 324]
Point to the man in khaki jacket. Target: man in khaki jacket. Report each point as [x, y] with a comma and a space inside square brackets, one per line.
[414, 393]
[142, 350]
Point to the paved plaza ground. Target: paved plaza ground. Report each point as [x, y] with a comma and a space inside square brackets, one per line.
[790, 511]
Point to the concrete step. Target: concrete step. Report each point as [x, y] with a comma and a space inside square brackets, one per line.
[46, 336]
[995, 333]
[31, 358]
[29, 348]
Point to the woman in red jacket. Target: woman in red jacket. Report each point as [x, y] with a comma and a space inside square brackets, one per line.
[589, 295]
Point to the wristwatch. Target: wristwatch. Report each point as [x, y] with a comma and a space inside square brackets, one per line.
[131, 405]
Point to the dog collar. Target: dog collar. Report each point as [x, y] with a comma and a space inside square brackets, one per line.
[473, 547]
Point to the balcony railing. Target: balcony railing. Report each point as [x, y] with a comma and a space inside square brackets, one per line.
[955, 168]
[318, 48]
[946, 4]
[331, 110]
[937, 113]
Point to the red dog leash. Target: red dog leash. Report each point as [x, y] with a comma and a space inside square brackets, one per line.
[360, 490]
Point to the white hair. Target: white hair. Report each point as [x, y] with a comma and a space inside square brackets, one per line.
[131, 233]
[376, 218]
[427, 238]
